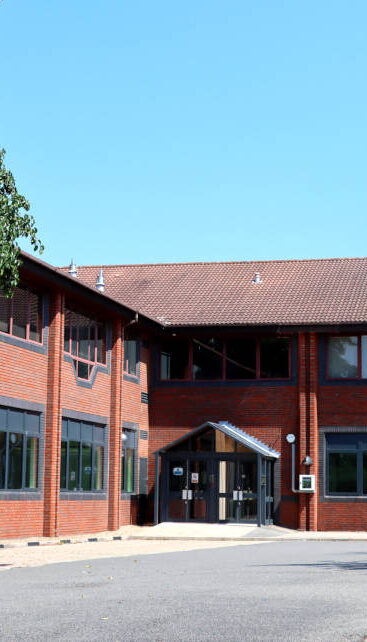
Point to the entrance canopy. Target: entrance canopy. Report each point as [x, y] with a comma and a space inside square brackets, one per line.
[215, 472]
[239, 436]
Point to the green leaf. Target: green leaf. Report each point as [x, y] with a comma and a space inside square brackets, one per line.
[14, 224]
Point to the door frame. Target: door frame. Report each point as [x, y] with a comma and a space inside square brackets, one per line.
[265, 484]
[166, 493]
[237, 459]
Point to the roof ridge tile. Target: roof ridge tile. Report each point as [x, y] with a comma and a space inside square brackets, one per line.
[238, 262]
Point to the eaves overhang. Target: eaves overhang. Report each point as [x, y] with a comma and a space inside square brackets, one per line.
[70, 284]
[271, 328]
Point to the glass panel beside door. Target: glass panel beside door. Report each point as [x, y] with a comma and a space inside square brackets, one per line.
[177, 489]
[188, 489]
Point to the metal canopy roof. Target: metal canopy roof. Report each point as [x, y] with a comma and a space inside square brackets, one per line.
[231, 431]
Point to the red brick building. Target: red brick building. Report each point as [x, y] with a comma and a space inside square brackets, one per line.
[180, 392]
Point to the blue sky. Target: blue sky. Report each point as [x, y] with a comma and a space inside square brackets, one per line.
[181, 131]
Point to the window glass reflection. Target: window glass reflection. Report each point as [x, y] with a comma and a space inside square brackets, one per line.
[15, 460]
[207, 359]
[343, 357]
[342, 472]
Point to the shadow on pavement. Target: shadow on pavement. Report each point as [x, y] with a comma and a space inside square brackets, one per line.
[331, 565]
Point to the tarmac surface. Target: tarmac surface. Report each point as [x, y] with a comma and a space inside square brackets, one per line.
[289, 591]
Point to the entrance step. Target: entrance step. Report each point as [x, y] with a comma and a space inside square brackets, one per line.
[218, 532]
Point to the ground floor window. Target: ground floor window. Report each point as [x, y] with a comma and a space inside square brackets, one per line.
[346, 460]
[128, 460]
[19, 449]
[82, 455]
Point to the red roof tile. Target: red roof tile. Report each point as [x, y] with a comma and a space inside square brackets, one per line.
[298, 292]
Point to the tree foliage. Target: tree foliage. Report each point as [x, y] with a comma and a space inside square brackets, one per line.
[14, 224]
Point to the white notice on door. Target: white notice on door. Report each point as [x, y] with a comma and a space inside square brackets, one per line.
[194, 478]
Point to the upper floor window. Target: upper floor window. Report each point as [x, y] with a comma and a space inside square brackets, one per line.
[175, 357]
[213, 358]
[347, 357]
[85, 341]
[82, 456]
[19, 448]
[131, 355]
[21, 316]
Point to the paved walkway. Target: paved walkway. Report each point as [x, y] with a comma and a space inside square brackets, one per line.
[238, 532]
[134, 541]
[189, 532]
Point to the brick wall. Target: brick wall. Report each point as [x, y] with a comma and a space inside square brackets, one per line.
[136, 412]
[269, 413]
[17, 374]
[21, 518]
[23, 377]
[82, 516]
[342, 405]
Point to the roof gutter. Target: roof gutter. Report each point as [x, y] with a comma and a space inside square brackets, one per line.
[271, 328]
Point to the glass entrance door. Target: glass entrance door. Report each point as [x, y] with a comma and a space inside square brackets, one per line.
[177, 490]
[188, 489]
[237, 490]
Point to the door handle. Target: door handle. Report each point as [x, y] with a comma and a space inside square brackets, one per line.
[189, 494]
[184, 493]
[235, 495]
[240, 495]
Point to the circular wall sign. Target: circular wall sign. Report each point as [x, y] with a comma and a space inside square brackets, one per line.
[291, 438]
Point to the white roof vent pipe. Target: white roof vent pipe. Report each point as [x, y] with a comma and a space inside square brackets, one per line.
[256, 278]
[100, 281]
[73, 271]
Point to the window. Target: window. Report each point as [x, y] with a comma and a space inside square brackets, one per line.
[343, 362]
[19, 448]
[346, 463]
[248, 358]
[131, 356]
[128, 460]
[175, 360]
[241, 359]
[207, 359]
[85, 341]
[82, 455]
[21, 316]
[274, 357]
[347, 357]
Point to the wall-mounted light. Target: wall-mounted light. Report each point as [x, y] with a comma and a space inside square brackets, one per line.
[308, 461]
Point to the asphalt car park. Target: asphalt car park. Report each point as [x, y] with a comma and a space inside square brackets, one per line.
[268, 591]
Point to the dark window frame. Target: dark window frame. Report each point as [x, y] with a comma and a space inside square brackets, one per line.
[94, 443]
[134, 372]
[27, 338]
[257, 378]
[26, 433]
[124, 446]
[95, 323]
[359, 353]
[347, 449]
